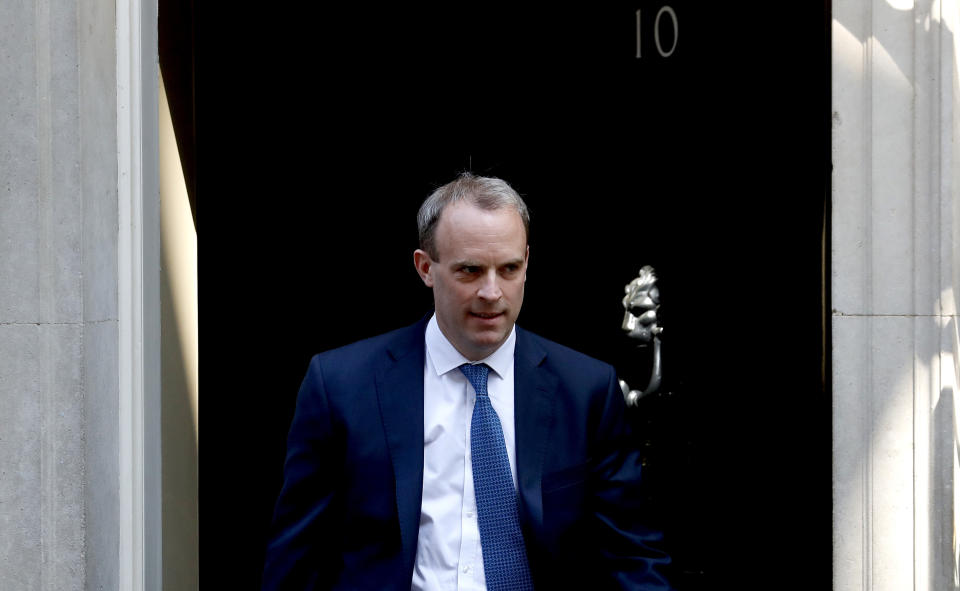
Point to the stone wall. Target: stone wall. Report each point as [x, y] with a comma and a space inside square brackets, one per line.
[894, 284]
[58, 305]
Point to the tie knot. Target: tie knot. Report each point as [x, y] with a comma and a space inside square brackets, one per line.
[477, 374]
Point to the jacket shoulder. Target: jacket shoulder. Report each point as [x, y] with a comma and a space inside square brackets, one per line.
[366, 353]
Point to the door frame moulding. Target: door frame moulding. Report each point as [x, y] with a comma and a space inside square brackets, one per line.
[138, 292]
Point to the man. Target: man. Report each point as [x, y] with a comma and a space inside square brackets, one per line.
[462, 452]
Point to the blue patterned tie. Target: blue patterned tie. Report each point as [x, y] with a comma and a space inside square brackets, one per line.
[501, 541]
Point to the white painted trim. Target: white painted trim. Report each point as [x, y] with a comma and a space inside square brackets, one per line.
[138, 296]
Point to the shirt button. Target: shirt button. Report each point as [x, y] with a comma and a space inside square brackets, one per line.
[466, 569]
[469, 513]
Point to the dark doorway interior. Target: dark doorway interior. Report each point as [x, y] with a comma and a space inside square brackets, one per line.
[176, 45]
[322, 129]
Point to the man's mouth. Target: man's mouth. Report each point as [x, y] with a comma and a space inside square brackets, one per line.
[486, 315]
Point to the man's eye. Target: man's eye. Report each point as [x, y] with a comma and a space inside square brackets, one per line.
[469, 269]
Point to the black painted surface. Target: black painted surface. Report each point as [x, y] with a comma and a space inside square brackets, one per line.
[322, 129]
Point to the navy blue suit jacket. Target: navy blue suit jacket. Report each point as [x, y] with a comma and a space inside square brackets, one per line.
[348, 514]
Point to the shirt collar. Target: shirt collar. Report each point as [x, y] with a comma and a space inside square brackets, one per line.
[445, 357]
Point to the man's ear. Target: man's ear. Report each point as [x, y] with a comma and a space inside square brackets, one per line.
[424, 264]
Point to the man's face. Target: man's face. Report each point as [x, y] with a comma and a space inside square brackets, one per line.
[478, 277]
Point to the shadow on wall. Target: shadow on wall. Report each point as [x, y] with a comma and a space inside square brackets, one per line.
[892, 397]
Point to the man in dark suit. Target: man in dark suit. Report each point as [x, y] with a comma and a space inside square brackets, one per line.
[514, 472]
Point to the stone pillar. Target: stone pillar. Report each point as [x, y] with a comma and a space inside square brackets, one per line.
[79, 371]
[98, 120]
[895, 230]
[58, 346]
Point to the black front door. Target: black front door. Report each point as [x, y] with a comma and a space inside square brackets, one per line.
[706, 157]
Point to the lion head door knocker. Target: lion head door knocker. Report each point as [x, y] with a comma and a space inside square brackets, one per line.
[640, 306]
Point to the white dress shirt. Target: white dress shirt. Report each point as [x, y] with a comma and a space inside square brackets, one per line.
[448, 547]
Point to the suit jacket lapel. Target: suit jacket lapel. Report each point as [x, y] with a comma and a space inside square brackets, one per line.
[400, 391]
[533, 416]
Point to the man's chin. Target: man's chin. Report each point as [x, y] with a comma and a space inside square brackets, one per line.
[487, 341]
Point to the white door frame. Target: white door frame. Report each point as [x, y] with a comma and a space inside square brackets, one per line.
[138, 276]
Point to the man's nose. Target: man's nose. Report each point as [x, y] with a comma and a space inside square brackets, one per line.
[490, 288]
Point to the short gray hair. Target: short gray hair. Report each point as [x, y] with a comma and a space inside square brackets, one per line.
[484, 192]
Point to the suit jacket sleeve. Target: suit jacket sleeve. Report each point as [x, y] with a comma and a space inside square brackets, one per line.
[629, 548]
[300, 552]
